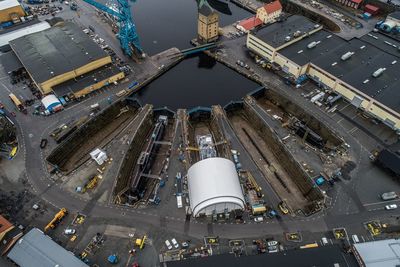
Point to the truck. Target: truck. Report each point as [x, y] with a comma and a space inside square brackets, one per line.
[57, 218]
[389, 196]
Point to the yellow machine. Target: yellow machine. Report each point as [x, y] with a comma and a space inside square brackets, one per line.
[140, 242]
[192, 148]
[91, 183]
[253, 182]
[57, 218]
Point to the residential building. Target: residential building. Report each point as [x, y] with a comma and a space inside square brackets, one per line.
[5, 226]
[351, 3]
[269, 12]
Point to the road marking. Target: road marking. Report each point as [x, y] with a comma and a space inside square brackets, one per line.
[8, 90]
[381, 202]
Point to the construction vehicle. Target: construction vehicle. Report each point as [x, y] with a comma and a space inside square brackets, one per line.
[340, 233]
[283, 207]
[254, 184]
[192, 148]
[140, 242]
[90, 184]
[374, 227]
[57, 218]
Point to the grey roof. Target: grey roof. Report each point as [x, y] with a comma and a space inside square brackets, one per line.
[10, 61]
[382, 253]
[35, 249]
[274, 34]
[325, 256]
[354, 71]
[205, 10]
[384, 42]
[75, 85]
[395, 15]
[60, 49]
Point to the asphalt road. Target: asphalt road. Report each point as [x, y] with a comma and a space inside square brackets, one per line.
[347, 208]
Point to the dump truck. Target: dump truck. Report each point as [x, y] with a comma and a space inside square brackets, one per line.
[57, 218]
[340, 233]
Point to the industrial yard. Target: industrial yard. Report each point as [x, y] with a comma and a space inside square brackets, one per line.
[221, 132]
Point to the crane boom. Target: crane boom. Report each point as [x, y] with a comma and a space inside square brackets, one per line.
[104, 8]
[127, 34]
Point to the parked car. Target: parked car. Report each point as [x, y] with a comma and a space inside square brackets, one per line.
[176, 245]
[69, 231]
[168, 244]
[259, 219]
[272, 246]
[391, 207]
[324, 241]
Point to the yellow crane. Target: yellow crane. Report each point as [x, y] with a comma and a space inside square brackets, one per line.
[57, 218]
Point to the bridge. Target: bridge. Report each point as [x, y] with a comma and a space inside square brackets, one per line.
[194, 50]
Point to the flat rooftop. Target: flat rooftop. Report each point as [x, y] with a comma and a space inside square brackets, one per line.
[357, 70]
[55, 51]
[384, 42]
[382, 253]
[90, 78]
[325, 256]
[275, 34]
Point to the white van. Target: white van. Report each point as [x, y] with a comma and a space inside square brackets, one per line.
[355, 239]
[324, 241]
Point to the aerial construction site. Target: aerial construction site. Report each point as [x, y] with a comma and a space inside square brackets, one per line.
[202, 132]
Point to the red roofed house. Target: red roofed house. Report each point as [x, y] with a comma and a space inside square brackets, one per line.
[351, 3]
[269, 12]
[249, 24]
[5, 226]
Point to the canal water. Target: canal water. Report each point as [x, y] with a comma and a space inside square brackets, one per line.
[198, 80]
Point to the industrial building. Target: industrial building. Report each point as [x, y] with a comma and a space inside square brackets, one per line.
[11, 10]
[64, 60]
[35, 249]
[351, 3]
[382, 253]
[363, 70]
[214, 187]
[18, 30]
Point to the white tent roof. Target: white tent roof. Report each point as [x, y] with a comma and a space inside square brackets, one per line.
[50, 100]
[212, 181]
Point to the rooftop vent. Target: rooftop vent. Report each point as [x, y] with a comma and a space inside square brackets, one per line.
[316, 26]
[313, 44]
[300, 51]
[362, 47]
[378, 72]
[329, 36]
[347, 55]
[394, 62]
[365, 81]
[334, 63]
[296, 33]
[287, 38]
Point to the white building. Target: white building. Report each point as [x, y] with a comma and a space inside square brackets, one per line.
[98, 155]
[382, 253]
[214, 187]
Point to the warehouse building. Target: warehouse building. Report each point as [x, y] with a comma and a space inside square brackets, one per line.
[364, 71]
[382, 253]
[214, 187]
[18, 30]
[35, 249]
[64, 60]
[11, 10]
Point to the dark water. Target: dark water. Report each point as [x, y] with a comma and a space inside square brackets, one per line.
[163, 24]
[196, 81]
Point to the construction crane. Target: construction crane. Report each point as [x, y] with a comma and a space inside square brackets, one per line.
[127, 34]
[57, 218]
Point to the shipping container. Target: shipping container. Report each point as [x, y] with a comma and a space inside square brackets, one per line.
[371, 9]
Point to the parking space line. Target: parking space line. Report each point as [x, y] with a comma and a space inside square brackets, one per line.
[381, 202]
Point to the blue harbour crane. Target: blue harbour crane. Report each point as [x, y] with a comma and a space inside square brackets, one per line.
[127, 34]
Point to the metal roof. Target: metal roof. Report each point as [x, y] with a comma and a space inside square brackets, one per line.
[5, 4]
[275, 34]
[382, 253]
[35, 249]
[357, 70]
[55, 51]
[214, 181]
[24, 29]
